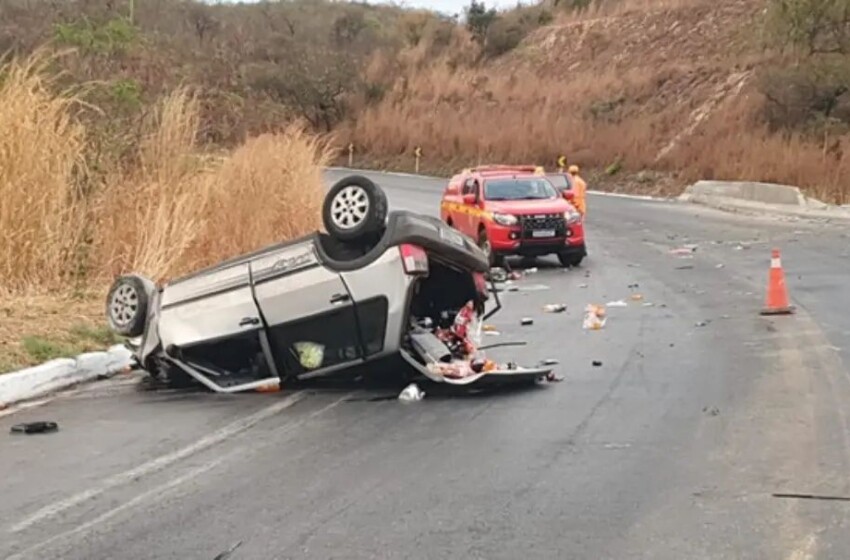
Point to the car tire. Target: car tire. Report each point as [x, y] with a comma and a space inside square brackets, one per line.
[570, 261]
[354, 208]
[127, 304]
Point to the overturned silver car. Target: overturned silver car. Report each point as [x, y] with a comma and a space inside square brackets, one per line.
[399, 292]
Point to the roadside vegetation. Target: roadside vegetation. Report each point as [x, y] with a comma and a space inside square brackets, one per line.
[72, 218]
[135, 133]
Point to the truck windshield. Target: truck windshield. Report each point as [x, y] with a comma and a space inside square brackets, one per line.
[519, 189]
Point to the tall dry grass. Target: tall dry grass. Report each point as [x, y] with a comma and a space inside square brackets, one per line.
[175, 208]
[42, 157]
[461, 118]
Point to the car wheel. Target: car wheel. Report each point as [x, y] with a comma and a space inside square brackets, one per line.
[568, 261]
[354, 208]
[127, 305]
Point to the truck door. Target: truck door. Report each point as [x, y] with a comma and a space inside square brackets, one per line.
[308, 311]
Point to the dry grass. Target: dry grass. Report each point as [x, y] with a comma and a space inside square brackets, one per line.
[41, 158]
[610, 88]
[176, 208]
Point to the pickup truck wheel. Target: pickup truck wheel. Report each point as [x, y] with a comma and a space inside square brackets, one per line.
[127, 305]
[494, 259]
[354, 208]
[568, 261]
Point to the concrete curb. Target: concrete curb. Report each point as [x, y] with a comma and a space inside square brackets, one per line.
[62, 373]
[761, 198]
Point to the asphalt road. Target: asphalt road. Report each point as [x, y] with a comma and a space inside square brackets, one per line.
[671, 449]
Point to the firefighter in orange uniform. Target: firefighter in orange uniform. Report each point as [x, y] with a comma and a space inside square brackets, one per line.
[580, 189]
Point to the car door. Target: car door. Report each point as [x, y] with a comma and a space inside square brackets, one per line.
[308, 312]
[470, 186]
[211, 325]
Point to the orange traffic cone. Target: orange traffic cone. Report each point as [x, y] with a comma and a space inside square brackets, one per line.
[776, 302]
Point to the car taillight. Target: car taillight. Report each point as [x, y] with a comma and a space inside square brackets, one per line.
[414, 258]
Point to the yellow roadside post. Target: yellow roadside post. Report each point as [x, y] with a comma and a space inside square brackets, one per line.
[562, 163]
[418, 153]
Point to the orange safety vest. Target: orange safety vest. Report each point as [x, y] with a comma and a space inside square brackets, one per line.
[580, 188]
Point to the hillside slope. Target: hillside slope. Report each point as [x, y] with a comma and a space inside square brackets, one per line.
[669, 88]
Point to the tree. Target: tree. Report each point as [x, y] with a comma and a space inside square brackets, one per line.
[479, 19]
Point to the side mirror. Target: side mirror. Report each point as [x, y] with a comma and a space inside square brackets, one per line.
[469, 199]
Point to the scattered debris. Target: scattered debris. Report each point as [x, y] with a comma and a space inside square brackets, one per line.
[618, 303]
[498, 274]
[634, 286]
[549, 362]
[492, 333]
[685, 267]
[648, 304]
[582, 285]
[701, 324]
[713, 411]
[554, 308]
[684, 250]
[810, 497]
[719, 265]
[40, 427]
[594, 318]
[637, 297]
[531, 270]
[227, 553]
[525, 321]
[597, 363]
[411, 393]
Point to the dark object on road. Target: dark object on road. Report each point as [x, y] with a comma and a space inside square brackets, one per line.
[35, 428]
[685, 267]
[353, 301]
[811, 497]
[597, 363]
[526, 321]
[701, 324]
[554, 308]
[229, 552]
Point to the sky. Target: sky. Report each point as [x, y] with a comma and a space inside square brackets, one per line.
[451, 6]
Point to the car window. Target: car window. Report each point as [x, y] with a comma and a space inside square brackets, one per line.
[469, 187]
[560, 182]
[519, 189]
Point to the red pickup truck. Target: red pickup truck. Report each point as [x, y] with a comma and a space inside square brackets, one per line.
[514, 210]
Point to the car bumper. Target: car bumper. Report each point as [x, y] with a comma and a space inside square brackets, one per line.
[510, 241]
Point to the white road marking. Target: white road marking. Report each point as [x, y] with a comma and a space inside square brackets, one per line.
[159, 463]
[159, 490]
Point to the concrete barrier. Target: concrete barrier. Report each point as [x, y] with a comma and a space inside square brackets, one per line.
[59, 374]
[749, 196]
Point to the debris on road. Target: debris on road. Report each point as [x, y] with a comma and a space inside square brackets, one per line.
[684, 251]
[685, 267]
[597, 363]
[701, 324]
[411, 393]
[637, 297]
[499, 275]
[40, 427]
[594, 318]
[531, 270]
[719, 265]
[618, 303]
[634, 286]
[525, 321]
[713, 411]
[229, 552]
[582, 285]
[549, 362]
[554, 308]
